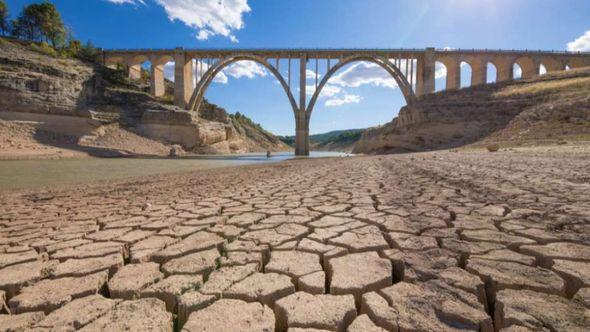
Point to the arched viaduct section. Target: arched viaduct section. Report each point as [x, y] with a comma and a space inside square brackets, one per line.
[414, 70]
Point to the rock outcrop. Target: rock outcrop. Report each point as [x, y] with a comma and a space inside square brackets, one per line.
[69, 97]
[548, 108]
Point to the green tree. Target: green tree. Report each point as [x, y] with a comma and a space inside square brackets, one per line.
[4, 28]
[40, 21]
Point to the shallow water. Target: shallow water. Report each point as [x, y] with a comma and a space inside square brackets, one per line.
[19, 174]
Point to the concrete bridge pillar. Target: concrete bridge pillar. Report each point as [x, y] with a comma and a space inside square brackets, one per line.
[479, 72]
[504, 71]
[157, 87]
[453, 74]
[425, 73]
[301, 116]
[183, 78]
[134, 72]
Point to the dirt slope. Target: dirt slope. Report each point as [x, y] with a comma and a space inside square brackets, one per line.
[545, 109]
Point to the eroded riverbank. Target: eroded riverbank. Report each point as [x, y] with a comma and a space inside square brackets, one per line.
[429, 241]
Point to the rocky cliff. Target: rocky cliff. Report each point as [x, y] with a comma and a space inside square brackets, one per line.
[549, 108]
[73, 98]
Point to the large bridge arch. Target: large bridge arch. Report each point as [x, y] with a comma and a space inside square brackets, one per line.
[387, 65]
[199, 92]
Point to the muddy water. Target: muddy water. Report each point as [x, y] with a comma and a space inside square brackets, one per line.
[22, 174]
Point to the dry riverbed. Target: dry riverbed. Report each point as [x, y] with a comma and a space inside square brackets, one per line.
[439, 241]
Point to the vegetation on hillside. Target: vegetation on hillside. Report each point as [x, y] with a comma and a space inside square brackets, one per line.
[4, 27]
[336, 136]
[40, 25]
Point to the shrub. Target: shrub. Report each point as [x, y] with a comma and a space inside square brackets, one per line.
[44, 48]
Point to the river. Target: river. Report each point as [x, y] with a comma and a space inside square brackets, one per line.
[23, 174]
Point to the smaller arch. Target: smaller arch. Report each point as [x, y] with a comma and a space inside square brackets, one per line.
[199, 92]
[491, 73]
[516, 71]
[396, 74]
[440, 76]
[466, 74]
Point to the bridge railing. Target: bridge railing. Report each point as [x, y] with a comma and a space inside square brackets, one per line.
[327, 50]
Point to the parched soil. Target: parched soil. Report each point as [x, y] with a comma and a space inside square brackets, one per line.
[441, 241]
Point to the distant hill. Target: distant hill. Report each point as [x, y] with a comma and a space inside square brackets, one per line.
[337, 140]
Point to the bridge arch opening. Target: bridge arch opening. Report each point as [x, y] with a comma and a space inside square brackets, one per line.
[516, 71]
[466, 73]
[213, 71]
[351, 89]
[440, 76]
[491, 73]
[395, 78]
[257, 88]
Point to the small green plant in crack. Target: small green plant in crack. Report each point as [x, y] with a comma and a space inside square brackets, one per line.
[192, 287]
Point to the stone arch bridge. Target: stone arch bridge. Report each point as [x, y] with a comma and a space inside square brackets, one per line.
[412, 69]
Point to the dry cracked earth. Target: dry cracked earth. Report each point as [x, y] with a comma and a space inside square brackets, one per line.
[420, 242]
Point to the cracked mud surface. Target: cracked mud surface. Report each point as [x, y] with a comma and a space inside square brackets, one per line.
[420, 242]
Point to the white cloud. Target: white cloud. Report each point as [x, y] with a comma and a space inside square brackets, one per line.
[581, 44]
[208, 17]
[364, 73]
[310, 74]
[346, 99]
[329, 90]
[248, 69]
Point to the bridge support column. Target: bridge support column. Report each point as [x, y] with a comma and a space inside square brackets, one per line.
[425, 73]
[135, 72]
[183, 78]
[301, 116]
[479, 73]
[505, 71]
[157, 87]
[453, 75]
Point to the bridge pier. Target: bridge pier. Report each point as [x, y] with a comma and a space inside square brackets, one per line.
[453, 74]
[425, 72]
[157, 87]
[183, 78]
[479, 72]
[301, 116]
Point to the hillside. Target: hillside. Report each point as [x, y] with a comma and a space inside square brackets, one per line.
[52, 107]
[548, 109]
[336, 140]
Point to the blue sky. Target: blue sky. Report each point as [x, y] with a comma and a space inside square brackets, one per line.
[361, 96]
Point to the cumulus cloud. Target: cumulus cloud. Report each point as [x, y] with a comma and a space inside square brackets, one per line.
[364, 73]
[248, 69]
[346, 99]
[581, 44]
[208, 17]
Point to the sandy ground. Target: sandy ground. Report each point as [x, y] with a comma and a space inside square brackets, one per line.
[25, 140]
[439, 241]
